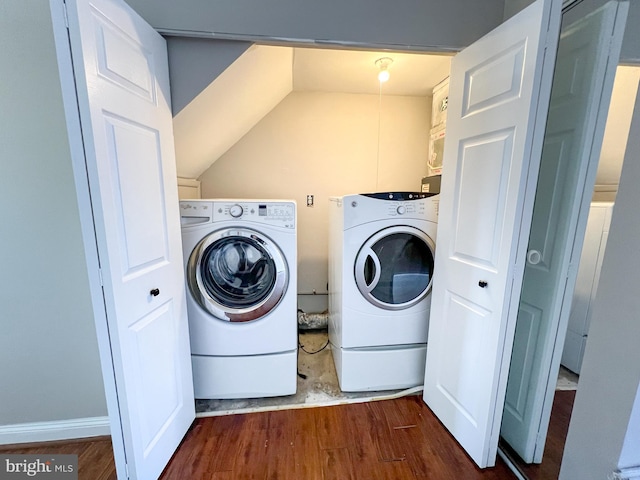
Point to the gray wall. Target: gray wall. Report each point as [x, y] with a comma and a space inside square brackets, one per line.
[511, 7]
[195, 62]
[631, 45]
[426, 24]
[48, 349]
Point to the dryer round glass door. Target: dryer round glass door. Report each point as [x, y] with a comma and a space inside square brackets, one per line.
[394, 267]
[237, 274]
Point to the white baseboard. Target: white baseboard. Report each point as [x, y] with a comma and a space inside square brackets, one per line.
[631, 473]
[56, 430]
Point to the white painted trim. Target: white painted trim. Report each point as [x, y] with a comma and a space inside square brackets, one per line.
[605, 188]
[307, 42]
[189, 188]
[188, 182]
[55, 430]
[631, 473]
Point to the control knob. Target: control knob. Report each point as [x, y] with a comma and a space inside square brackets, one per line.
[401, 210]
[236, 211]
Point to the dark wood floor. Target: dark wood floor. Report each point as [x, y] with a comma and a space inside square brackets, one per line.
[390, 439]
[95, 456]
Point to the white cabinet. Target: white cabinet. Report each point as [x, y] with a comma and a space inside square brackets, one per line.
[436, 152]
[586, 284]
[439, 104]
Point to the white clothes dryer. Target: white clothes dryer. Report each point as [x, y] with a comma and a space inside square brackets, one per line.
[240, 263]
[381, 257]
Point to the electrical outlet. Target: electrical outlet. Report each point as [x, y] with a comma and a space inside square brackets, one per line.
[309, 200]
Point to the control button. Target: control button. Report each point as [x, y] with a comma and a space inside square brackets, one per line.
[401, 210]
[235, 211]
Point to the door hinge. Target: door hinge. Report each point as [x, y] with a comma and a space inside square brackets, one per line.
[66, 16]
[518, 271]
[571, 269]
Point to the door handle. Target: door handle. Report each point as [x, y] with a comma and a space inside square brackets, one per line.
[482, 284]
[534, 257]
[154, 292]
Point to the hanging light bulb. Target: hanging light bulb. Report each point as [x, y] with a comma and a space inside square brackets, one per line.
[383, 64]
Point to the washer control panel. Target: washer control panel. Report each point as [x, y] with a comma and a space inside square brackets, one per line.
[195, 213]
[282, 214]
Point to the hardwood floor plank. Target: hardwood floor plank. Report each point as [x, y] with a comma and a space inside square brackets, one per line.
[210, 446]
[281, 437]
[384, 419]
[251, 456]
[337, 464]
[330, 428]
[227, 433]
[222, 476]
[190, 460]
[95, 456]
[388, 471]
[308, 462]
[367, 463]
[363, 431]
[54, 443]
[436, 454]
[96, 462]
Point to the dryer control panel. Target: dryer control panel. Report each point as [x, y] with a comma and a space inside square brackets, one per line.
[402, 207]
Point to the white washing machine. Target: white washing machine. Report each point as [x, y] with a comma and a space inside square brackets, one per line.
[241, 263]
[381, 257]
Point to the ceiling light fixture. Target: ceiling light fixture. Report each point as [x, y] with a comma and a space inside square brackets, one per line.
[383, 64]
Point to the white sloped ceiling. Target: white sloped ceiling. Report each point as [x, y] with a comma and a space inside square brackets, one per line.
[264, 75]
[230, 106]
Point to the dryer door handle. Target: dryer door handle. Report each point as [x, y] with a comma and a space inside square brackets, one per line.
[376, 269]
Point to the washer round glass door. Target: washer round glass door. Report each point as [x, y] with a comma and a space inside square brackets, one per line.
[237, 274]
[394, 267]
